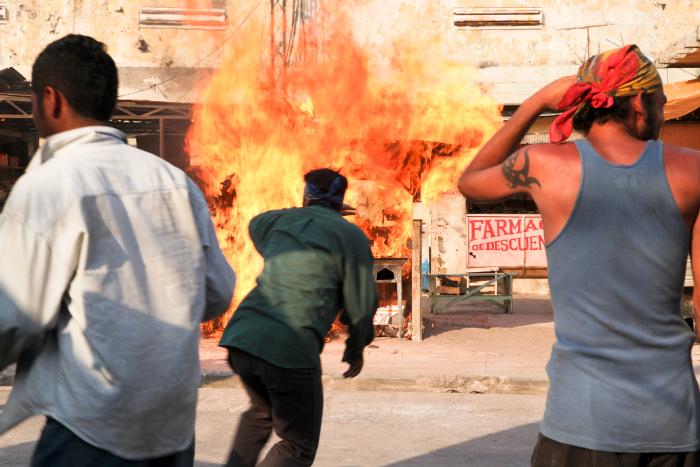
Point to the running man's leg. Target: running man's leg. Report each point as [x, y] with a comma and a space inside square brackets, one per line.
[255, 426]
[297, 410]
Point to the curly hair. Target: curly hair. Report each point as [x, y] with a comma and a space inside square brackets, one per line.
[587, 115]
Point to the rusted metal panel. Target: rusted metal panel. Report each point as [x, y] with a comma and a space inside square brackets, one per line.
[498, 18]
[182, 18]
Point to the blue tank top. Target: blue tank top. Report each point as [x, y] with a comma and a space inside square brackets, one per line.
[621, 376]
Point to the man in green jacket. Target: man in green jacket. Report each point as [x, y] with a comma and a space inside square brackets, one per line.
[316, 264]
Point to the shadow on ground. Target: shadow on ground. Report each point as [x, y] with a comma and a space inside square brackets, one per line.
[16, 455]
[493, 450]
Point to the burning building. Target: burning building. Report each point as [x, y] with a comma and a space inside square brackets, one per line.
[398, 95]
[265, 121]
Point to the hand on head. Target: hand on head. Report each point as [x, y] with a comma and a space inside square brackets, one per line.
[549, 97]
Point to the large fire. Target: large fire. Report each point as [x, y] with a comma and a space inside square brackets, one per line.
[399, 132]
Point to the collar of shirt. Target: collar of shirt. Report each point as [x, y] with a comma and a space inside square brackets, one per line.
[59, 141]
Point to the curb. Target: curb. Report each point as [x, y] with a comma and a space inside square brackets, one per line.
[441, 384]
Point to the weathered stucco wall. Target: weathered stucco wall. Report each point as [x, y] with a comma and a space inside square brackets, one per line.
[510, 61]
[514, 62]
[145, 56]
[563, 39]
[33, 23]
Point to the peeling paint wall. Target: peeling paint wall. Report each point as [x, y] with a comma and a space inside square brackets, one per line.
[513, 63]
[34, 23]
[508, 60]
[145, 56]
[571, 28]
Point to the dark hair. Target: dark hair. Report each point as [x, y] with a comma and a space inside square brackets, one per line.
[82, 70]
[323, 179]
[587, 115]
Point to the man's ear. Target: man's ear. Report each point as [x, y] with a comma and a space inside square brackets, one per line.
[637, 103]
[54, 102]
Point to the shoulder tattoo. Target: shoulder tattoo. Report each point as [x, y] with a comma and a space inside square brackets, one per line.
[520, 176]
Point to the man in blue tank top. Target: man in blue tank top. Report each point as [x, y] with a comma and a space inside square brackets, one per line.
[619, 211]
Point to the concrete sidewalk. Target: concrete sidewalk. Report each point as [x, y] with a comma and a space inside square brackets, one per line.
[474, 348]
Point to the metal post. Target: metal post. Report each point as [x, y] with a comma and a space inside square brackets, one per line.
[161, 138]
[416, 315]
[272, 44]
[399, 294]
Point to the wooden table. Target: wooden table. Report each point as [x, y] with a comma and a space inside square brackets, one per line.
[502, 283]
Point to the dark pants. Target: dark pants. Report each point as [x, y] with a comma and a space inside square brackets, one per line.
[290, 400]
[59, 447]
[550, 453]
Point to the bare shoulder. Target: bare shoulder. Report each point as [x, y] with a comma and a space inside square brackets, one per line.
[682, 166]
[531, 164]
[682, 154]
[547, 153]
[682, 162]
[544, 157]
[560, 152]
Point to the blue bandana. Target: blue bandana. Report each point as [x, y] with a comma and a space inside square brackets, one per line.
[333, 198]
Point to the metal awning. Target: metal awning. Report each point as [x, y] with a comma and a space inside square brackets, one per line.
[140, 117]
[683, 98]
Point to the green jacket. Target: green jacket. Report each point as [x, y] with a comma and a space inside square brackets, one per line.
[316, 264]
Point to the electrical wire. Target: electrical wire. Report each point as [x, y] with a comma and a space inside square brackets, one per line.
[214, 51]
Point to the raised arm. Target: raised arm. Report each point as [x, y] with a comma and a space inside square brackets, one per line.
[496, 171]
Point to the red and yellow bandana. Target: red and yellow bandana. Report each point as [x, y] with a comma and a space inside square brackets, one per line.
[618, 72]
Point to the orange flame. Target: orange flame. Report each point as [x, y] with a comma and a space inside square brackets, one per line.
[398, 134]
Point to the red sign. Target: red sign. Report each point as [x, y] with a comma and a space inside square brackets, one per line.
[507, 241]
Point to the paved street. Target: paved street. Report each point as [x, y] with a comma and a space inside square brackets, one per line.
[360, 428]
